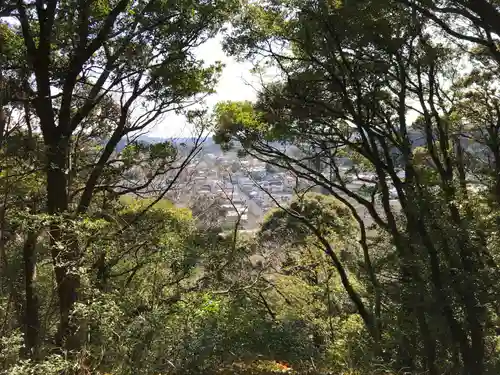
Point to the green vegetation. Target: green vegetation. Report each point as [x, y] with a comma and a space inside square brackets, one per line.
[103, 275]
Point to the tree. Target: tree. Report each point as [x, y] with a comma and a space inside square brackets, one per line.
[99, 71]
[473, 23]
[352, 74]
[331, 225]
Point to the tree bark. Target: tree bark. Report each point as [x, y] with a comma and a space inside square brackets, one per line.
[64, 247]
[3, 121]
[31, 310]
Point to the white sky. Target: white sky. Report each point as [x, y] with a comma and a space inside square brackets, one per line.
[236, 83]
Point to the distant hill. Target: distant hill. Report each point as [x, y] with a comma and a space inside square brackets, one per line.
[417, 139]
[209, 145]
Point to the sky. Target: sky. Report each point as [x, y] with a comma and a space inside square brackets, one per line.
[236, 83]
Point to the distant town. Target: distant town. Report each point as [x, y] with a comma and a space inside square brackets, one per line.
[240, 190]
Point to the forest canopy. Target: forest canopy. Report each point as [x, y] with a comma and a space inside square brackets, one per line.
[102, 271]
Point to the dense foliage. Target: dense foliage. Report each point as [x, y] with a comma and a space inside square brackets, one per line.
[100, 273]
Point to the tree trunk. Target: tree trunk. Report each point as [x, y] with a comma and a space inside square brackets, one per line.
[31, 312]
[64, 247]
[3, 121]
